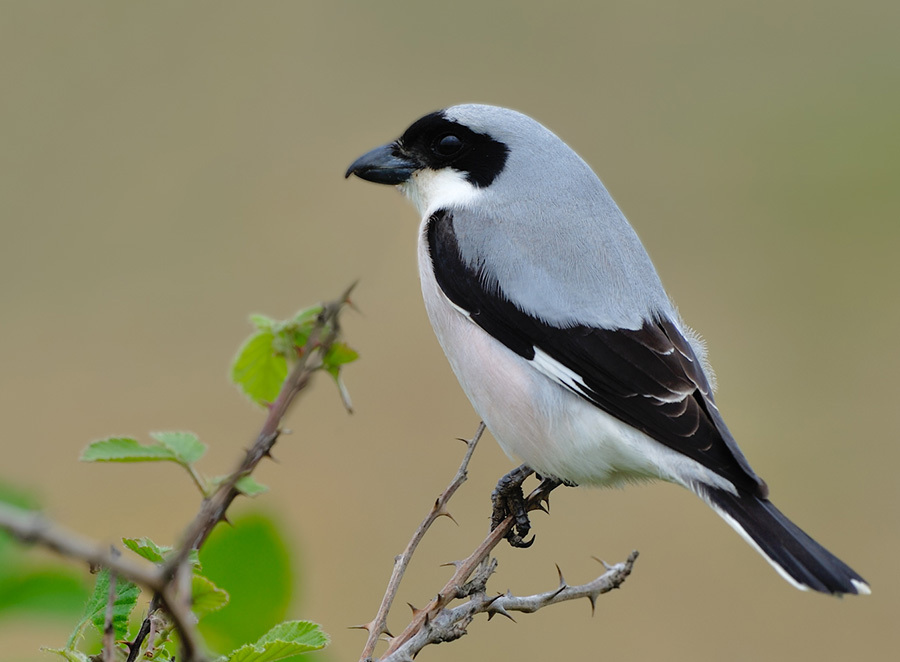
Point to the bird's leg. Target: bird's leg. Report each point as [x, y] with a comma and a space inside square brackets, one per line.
[508, 499]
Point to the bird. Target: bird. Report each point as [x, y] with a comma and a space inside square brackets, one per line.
[557, 326]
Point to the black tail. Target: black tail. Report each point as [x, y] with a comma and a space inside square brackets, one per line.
[797, 557]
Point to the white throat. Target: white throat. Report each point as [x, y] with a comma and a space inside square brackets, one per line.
[430, 190]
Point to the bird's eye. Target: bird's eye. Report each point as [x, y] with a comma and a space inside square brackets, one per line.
[447, 145]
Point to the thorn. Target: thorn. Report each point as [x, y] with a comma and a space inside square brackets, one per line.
[269, 455]
[489, 601]
[593, 599]
[365, 626]
[546, 501]
[415, 610]
[498, 609]
[443, 512]
[455, 564]
[603, 563]
[562, 580]
[224, 518]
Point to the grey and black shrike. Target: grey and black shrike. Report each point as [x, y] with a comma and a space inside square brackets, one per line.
[560, 332]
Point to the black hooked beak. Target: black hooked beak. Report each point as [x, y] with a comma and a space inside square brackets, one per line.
[383, 166]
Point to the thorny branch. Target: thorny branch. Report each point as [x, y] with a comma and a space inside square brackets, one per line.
[450, 624]
[323, 334]
[378, 626]
[134, 647]
[171, 592]
[437, 622]
[35, 529]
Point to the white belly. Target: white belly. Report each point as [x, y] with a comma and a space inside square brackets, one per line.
[536, 420]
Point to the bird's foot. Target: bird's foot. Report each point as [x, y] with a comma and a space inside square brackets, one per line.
[508, 499]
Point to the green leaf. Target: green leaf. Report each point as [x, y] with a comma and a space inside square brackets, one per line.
[258, 370]
[258, 598]
[207, 597]
[307, 315]
[283, 640]
[339, 354]
[95, 610]
[262, 322]
[146, 548]
[186, 447]
[246, 485]
[125, 449]
[70, 654]
[249, 487]
[284, 343]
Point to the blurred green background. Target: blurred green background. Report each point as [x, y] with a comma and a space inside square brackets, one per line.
[167, 168]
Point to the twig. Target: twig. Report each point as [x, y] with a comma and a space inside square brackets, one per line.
[34, 529]
[109, 634]
[185, 622]
[613, 578]
[181, 585]
[170, 582]
[214, 508]
[451, 624]
[134, 647]
[378, 626]
[464, 570]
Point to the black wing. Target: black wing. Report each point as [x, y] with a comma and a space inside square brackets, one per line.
[649, 378]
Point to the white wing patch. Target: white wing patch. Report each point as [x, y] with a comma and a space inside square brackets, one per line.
[567, 377]
[556, 371]
[545, 364]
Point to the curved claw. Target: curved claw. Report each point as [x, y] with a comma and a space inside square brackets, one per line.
[517, 542]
